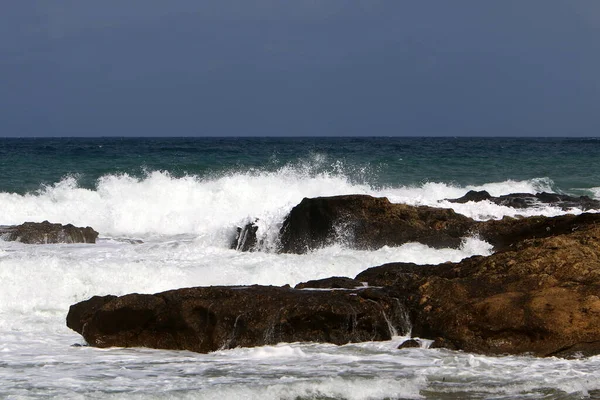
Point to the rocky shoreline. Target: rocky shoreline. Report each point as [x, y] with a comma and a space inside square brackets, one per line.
[537, 294]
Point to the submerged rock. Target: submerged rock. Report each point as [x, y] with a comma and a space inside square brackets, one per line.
[45, 232]
[542, 299]
[205, 319]
[525, 200]
[409, 344]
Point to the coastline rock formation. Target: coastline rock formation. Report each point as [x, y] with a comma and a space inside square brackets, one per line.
[538, 294]
[541, 299]
[507, 233]
[45, 232]
[365, 222]
[205, 319]
[524, 200]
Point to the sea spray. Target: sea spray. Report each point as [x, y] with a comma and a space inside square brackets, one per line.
[211, 208]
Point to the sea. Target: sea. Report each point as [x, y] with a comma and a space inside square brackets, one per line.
[167, 210]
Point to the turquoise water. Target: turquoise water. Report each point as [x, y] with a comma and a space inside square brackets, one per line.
[573, 165]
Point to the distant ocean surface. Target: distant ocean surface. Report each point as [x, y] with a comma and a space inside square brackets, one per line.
[166, 210]
[567, 165]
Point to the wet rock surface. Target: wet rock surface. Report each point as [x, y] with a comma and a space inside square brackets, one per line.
[409, 344]
[365, 222]
[205, 319]
[542, 299]
[335, 282]
[45, 232]
[508, 233]
[525, 200]
[245, 238]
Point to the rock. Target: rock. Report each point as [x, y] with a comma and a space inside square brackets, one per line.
[365, 222]
[508, 232]
[409, 344]
[335, 282]
[472, 195]
[525, 200]
[205, 319]
[541, 299]
[245, 239]
[45, 232]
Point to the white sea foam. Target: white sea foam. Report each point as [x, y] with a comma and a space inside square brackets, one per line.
[211, 207]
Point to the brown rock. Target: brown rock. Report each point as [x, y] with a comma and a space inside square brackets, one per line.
[335, 282]
[507, 233]
[541, 299]
[365, 222]
[525, 200]
[45, 232]
[408, 344]
[206, 319]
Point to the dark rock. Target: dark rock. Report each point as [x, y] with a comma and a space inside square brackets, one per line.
[365, 222]
[566, 202]
[441, 343]
[206, 319]
[45, 232]
[507, 233]
[541, 299]
[335, 282]
[245, 239]
[409, 344]
[472, 195]
[83, 311]
[526, 200]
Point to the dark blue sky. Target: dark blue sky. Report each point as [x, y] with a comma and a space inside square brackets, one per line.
[300, 68]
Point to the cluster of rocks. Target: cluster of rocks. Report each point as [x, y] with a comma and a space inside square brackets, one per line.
[525, 200]
[367, 223]
[537, 294]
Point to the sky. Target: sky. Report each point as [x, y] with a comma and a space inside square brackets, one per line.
[300, 68]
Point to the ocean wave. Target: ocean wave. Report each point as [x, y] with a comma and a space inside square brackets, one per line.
[210, 207]
[595, 191]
